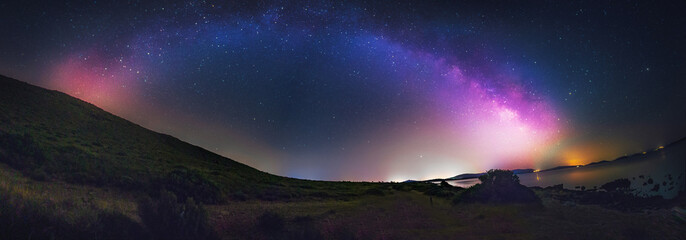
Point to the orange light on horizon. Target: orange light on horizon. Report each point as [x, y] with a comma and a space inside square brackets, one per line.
[582, 154]
[574, 162]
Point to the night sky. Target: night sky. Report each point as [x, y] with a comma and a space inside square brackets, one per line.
[388, 90]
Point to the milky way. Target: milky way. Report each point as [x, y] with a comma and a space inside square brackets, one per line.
[366, 91]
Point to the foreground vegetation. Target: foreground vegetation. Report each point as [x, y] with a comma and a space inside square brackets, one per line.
[43, 210]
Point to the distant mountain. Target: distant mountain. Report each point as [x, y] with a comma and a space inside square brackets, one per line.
[525, 171]
[629, 157]
[472, 175]
[557, 168]
[458, 177]
[599, 162]
[475, 175]
[466, 176]
[522, 171]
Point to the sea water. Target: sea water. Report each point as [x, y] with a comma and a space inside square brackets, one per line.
[657, 173]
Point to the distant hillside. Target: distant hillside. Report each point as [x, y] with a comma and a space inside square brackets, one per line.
[629, 157]
[557, 168]
[49, 135]
[466, 176]
[525, 171]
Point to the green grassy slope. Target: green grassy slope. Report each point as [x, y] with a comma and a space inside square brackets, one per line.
[49, 135]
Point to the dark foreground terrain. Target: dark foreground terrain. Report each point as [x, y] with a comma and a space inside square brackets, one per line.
[39, 210]
[69, 170]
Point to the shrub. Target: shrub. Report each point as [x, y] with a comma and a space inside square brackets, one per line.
[374, 191]
[20, 151]
[305, 228]
[114, 225]
[619, 185]
[126, 182]
[271, 223]
[558, 187]
[239, 196]
[497, 177]
[441, 191]
[188, 183]
[401, 187]
[39, 174]
[27, 218]
[167, 218]
[320, 194]
[497, 186]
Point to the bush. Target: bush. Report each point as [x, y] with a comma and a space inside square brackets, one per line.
[239, 196]
[20, 152]
[401, 187]
[39, 174]
[167, 218]
[271, 223]
[497, 177]
[26, 218]
[188, 183]
[619, 185]
[374, 191]
[114, 225]
[440, 191]
[443, 189]
[305, 228]
[497, 186]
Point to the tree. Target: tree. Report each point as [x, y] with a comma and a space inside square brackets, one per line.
[497, 186]
[500, 178]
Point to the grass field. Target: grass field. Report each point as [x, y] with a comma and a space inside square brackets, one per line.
[394, 215]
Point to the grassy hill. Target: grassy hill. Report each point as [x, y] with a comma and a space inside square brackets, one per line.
[49, 135]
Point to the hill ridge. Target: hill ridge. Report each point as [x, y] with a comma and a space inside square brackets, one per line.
[75, 141]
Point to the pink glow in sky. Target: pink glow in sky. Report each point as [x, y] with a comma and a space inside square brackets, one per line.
[111, 84]
[470, 124]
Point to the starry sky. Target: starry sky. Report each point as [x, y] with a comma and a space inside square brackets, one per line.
[369, 90]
